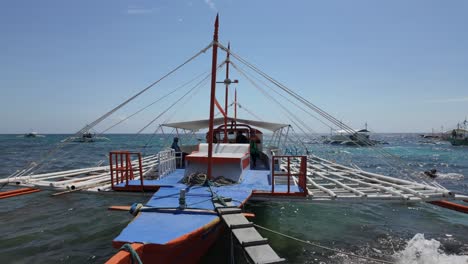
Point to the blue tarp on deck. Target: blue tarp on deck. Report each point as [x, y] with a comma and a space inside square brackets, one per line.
[160, 228]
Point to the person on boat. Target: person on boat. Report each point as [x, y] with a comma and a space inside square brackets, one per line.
[241, 138]
[254, 151]
[175, 144]
[178, 152]
[454, 133]
[215, 138]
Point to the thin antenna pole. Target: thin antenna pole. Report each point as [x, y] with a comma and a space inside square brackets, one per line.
[235, 104]
[235, 108]
[226, 98]
[212, 97]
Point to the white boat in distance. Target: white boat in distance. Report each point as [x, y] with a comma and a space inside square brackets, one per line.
[358, 138]
[86, 137]
[31, 134]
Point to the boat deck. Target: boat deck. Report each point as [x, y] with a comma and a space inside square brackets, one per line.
[161, 228]
[166, 181]
[259, 180]
[170, 225]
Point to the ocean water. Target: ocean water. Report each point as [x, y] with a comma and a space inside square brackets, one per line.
[78, 228]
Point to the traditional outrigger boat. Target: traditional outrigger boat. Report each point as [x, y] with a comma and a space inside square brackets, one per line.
[200, 191]
[459, 136]
[32, 134]
[86, 137]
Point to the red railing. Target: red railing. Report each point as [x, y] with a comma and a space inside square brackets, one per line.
[301, 174]
[121, 168]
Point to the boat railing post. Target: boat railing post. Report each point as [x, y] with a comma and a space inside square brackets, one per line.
[289, 174]
[163, 164]
[164, 168]
[129, 159]
[140, 169]
[159, 165]
[111, 170]
[303, 176]
[174, 161]
[121, 168]
[128, 168]
[273, 174]
[117, 172]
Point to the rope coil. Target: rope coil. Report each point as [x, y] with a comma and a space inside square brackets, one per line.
[201, 179]
[134, 255]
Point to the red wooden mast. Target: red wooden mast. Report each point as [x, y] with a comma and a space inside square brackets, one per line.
[212, 97]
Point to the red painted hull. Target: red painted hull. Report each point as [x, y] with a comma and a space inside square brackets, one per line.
[185, 249]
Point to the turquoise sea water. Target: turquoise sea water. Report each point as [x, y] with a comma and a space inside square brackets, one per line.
[78, 228]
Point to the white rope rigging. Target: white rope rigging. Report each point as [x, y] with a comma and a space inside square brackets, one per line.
[193, 89]
[333, 120]
[97, 121]
[297, 140]
[292, 93]
[296, 96]
[169, 118]
[291, 115]
[289, 100]
[173, 104]
[154, 102]
[33, 165]
[248, 111]
[188, 99]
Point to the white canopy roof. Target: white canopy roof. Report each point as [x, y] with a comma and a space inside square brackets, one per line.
[200, 124]
[458, 130]
[362, 131]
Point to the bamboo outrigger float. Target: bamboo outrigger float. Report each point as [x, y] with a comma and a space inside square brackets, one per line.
[200, 193]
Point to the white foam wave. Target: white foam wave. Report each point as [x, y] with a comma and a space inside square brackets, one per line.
[422, 251]
[450, 176]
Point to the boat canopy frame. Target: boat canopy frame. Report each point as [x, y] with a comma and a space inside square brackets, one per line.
[197, 125]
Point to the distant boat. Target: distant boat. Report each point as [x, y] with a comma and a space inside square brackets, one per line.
[32, 134]
[87, 137]
[459, 136]
[358, 138]
[431, 136]
[436, 136]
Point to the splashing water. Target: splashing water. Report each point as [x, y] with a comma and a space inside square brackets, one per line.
[422, 251]
[450, 176]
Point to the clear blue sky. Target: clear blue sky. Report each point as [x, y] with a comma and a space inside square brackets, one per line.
[402, 66]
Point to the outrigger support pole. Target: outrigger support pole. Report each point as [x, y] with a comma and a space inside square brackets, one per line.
[212, 97]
